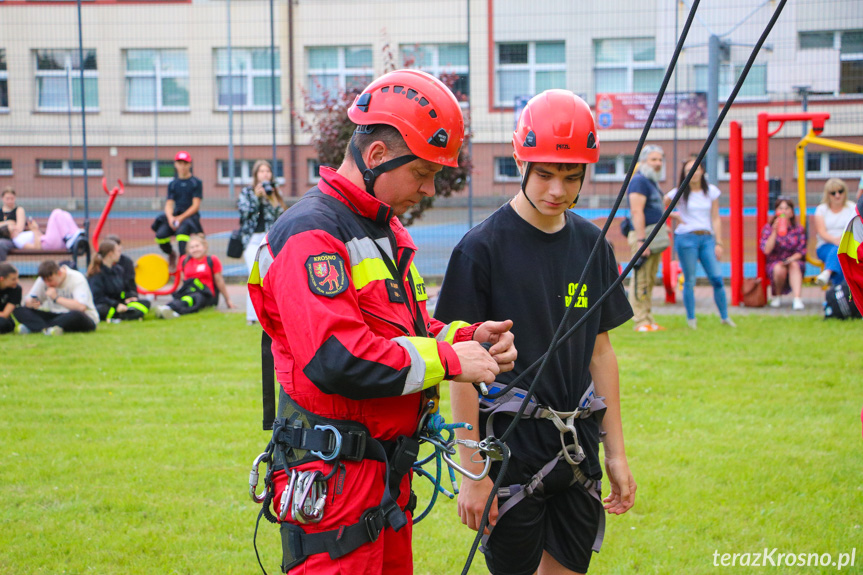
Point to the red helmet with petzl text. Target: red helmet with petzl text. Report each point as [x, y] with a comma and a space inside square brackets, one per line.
[556, 127]
[419, 106]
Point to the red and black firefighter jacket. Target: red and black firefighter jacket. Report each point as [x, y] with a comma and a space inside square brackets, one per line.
[335, 287]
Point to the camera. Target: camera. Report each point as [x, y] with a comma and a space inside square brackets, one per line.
[268, 188]
[639, 262]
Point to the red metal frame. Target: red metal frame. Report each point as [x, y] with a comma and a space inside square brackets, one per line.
[764, 134]
[735, 193]
[112, 195]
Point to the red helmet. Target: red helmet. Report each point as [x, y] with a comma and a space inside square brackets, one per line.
[556, 127]
[419, 106]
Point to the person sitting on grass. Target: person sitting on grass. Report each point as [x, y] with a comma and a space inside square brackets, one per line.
[10, 296]
[130, 286]
[202, 276]
[60, 301]
[109, 292]
[783, 242]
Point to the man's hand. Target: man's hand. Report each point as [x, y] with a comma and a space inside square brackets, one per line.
[502, 339]
[51, 292]
[33, 303]
[175, 223]
[622, 496]
[471, 502]
[477, 365]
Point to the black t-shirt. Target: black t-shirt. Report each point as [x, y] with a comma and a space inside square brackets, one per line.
[507, 269]
[130, 287]
[7, 216]
[10, 295]
[183, 191]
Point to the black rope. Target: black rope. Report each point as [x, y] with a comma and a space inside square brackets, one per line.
[559, 340]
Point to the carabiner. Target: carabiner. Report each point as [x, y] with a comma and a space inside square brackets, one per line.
[254, 475]
[337, 448]
[286, 496]
[309, 499]
[475, 476]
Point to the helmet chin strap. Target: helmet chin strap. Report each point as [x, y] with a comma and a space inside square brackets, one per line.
[371, 174]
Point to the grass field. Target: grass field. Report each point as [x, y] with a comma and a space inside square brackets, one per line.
[128, 450]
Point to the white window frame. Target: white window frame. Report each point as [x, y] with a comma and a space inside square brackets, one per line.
[245, 175]
[435, 68]
[630, 66]
[71, 76]
[248, 74]
[341, 71]
[67, 171]
[724, 176]
[531, 67]
[312, 165]
[725, 89]
[7, 172]
[620, 167]
[4, 76]
[824, 172]
[503, 178]
[158, 75]
[132, 179]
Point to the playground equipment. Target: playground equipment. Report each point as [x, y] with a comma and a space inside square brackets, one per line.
[118, 190]
[152, 275]
[735, 158]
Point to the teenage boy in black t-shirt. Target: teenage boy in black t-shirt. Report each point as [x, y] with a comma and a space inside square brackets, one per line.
[181, 217]
[523, 263]
[10, 296]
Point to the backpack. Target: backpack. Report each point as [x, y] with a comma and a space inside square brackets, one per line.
[838, 304]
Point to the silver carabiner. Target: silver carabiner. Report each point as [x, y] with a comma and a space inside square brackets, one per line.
[286, 496]
[254, 476]
[337, 449]
[475, 476]
[309, 499]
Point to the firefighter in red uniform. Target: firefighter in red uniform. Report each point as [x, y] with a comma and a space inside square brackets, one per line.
[357, 356]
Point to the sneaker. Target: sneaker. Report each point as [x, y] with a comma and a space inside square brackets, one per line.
[729, 322]
[656, 327]
[823, 278]
[775, 302]
[114, 320]
[53, 330]
[797, 304]
[165, 312]
[644, 328]
[693, 323]
[22, 329]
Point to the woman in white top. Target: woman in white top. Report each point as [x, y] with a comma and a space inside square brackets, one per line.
[831, 218]
[698, 237]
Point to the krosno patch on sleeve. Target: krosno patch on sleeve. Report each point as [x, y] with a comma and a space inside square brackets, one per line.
[327, 274]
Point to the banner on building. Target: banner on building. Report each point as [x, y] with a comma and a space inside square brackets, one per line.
[622, 111]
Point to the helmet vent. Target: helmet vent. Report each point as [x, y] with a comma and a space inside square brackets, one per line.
[432, 113]
[591, 141]
[398, 89]
[439, 139]
[411, 94]
[385, 89]
[423, 102]
[530, 140]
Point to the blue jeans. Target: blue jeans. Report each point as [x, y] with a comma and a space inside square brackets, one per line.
[829, 254]
[692, 248]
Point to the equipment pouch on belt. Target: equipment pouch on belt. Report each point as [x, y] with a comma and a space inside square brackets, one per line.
[292, 546]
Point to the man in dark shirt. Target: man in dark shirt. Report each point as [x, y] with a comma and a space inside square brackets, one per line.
[181, 217]
[645, 209]
[10, 296]
[524, 263]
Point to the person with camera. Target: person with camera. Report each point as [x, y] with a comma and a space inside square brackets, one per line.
[260, 205]
[181, 217]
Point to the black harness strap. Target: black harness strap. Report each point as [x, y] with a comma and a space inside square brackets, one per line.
[268, 381]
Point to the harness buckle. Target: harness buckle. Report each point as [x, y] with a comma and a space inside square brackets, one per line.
[374, 521]
[334, 449]
[254, 476]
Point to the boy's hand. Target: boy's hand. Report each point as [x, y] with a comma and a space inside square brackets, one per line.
[622, 496]
[471, 502]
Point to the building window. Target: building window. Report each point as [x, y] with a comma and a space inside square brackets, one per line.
[243, 171]
[506, 170]
[849, 43]
[823, 165]
[313, 170]
[528, 68]
[611, 168]
[69, 168]
[6, 168]
[337, 68]
[143, 171]
[4, 83]
[251, 88]
[754, 86]
[626, 65]
[157, 80]
[445, 61]
[58, 80]
[750, 168]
